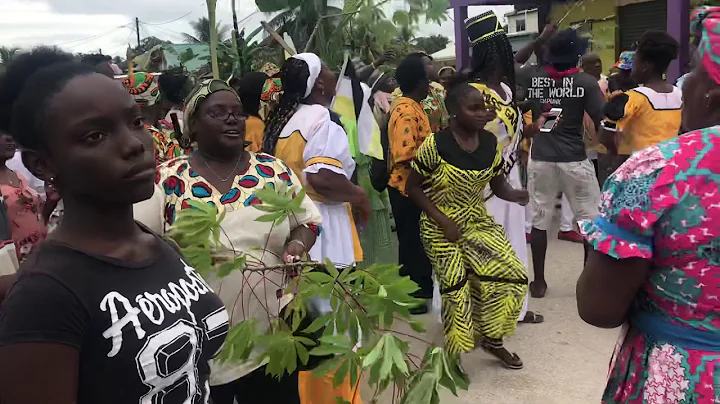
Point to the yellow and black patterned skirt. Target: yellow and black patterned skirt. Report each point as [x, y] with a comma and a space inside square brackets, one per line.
[482, 282]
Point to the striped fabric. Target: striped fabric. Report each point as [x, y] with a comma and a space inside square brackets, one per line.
[482, 281]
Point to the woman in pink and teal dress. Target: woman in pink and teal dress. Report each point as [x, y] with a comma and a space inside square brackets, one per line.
[655, 268]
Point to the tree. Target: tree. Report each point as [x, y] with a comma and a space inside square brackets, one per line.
[201, 31]
[433, 43]
[7, 54]
[361, 25]
[148, 43]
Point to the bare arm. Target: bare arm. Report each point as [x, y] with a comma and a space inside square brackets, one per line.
[503, 190]
[608, 139]
[413, 187]
[607, 287]
[524, 54]
[337, 188]
[364, 73]
[304, 235]
[40, 373]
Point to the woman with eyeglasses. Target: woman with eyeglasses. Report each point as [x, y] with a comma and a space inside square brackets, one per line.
[221, 172]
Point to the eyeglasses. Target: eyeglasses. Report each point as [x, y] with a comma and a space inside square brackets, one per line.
[225, 115]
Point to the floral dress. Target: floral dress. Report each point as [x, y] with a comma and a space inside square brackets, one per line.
[24, 209]
[663, 205]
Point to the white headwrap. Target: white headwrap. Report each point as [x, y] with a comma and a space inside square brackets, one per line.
[314, 66]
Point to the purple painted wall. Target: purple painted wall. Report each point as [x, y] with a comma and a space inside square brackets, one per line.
[678, 25]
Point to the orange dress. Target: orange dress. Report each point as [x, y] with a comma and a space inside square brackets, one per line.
[24, 210]
[254, 133]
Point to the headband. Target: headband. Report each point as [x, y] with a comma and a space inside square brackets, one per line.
[442, 69]
[144, 88]
[203, 90]
[706, 20]
[314, 66]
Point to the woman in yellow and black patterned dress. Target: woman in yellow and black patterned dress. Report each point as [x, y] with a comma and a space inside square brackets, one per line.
[451, 170]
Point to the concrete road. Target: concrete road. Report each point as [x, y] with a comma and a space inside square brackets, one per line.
[565, 359]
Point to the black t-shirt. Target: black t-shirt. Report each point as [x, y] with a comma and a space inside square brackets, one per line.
[145, 331]
[576, 94]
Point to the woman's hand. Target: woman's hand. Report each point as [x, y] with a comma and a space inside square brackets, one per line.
[450, 229]
[294, 251]
[361, 207]
[521, 197]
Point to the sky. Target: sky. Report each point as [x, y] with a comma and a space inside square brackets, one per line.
[109, 25]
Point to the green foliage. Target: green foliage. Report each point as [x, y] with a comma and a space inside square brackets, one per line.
[201, 31]
[278, 203]
[433, 43]
[357, 334]
[365, 28]
[148, 43]
[442, 370]
[7, 54]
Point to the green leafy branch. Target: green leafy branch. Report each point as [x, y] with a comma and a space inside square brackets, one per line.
[353, 339]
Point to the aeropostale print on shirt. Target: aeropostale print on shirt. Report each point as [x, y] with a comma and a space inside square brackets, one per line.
[146, 331]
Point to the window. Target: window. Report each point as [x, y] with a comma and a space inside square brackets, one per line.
[520, 25]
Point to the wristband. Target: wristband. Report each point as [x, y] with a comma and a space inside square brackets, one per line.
[298, 242]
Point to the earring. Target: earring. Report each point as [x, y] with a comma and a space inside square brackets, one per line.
[707, 100]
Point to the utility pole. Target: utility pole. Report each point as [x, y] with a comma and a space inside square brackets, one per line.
[137, 30]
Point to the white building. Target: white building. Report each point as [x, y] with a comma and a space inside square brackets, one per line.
[522, 28]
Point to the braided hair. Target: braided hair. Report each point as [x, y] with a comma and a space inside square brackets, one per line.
[488, 53]
[294, 75]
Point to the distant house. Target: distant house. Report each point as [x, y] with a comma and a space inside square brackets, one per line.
[163, 57]
[522, 28]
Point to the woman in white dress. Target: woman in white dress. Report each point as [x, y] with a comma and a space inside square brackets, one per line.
[303, 133]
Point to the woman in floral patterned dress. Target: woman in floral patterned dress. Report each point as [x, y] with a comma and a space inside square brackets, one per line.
[656, 264]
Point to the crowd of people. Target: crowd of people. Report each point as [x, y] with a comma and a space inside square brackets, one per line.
[477, 164]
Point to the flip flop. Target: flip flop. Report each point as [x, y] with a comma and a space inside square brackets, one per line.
[537, 294]
[513, 366]
[516, 363]
[532, 318]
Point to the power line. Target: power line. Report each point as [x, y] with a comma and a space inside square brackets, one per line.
[90, 38]
[169, 30]
[161, 34]
[169, 22]
[96, 37]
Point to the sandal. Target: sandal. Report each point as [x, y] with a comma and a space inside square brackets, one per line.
[538, 293]
[532, 318]
[509, 360]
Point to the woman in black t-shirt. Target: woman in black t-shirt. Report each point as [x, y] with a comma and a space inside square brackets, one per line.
[103, 311]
